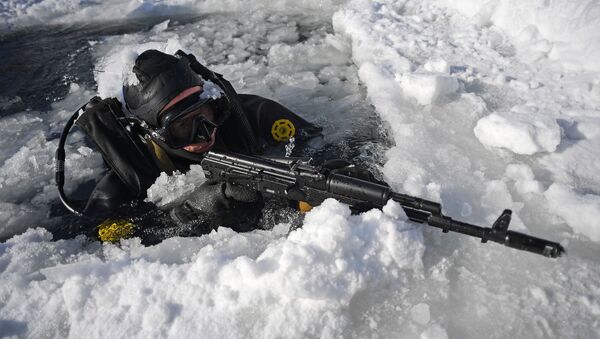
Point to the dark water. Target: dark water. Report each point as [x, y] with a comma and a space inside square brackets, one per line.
[38, 63]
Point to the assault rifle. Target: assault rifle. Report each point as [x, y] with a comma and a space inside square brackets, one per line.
[297, 179]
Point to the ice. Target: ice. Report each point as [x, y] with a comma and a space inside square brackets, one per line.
[437, 65]
[115, 69]
[127, 76]
[22, 13]
[524, 178]
[508, 136]
[314, 57]
[420, 313]
[434, 332]
[161, 26]
[210, 90]
[428, 88]
[577, 165]
[579, 210]
[540, 295]
[27, 163]
[518, 132]
[168, 190]
[581, 127]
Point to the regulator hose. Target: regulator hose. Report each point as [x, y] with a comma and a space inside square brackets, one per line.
[60, 162]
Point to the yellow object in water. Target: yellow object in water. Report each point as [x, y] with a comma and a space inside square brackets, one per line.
[283, 130]
[304, 207]
[114, 230]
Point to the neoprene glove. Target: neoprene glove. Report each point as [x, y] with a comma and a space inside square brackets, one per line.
[221, 204]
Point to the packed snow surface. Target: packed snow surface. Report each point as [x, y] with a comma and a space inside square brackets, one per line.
[258, 283]
[487, 105]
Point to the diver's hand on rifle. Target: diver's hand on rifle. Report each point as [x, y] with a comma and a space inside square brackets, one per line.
[240, 193]
[216, 204]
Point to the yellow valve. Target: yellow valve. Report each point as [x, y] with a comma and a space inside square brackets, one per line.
[304, 207]
[283, 130]
[114, 230]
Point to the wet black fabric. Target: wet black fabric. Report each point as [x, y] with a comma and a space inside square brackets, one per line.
[232, 209]
[108, 195]
[124, 151]
[262, 113]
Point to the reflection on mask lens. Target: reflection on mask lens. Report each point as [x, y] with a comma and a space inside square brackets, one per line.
[181, 128]
[190, 128]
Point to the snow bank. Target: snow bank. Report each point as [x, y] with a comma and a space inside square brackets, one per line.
[382, 47]
[475, 93]
[564, 31]
[228, 286]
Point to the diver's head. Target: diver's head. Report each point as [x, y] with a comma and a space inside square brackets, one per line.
[181, 108]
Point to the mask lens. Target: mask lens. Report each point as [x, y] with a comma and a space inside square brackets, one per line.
[203, 129]
[180, 129]
[189, 128]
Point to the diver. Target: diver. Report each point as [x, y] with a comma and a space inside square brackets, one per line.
[174, 110]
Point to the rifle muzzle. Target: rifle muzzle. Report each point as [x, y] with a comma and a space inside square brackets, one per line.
[532, 244]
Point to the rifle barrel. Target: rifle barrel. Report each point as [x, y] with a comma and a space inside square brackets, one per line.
[511, 239]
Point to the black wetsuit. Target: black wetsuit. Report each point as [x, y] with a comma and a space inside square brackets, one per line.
[271, 123]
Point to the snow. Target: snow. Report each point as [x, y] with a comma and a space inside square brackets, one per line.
[434, 332]
[114, 70]
[22, 13]
[161, 27]
[524, 178]
[428, 88]
[562, 31]
[27, 163]
[420, 313]
[487, 105]
[210, 90]
[580, 210]
[522, 133]
[168, 190]
[260, 284]
[128, 61]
